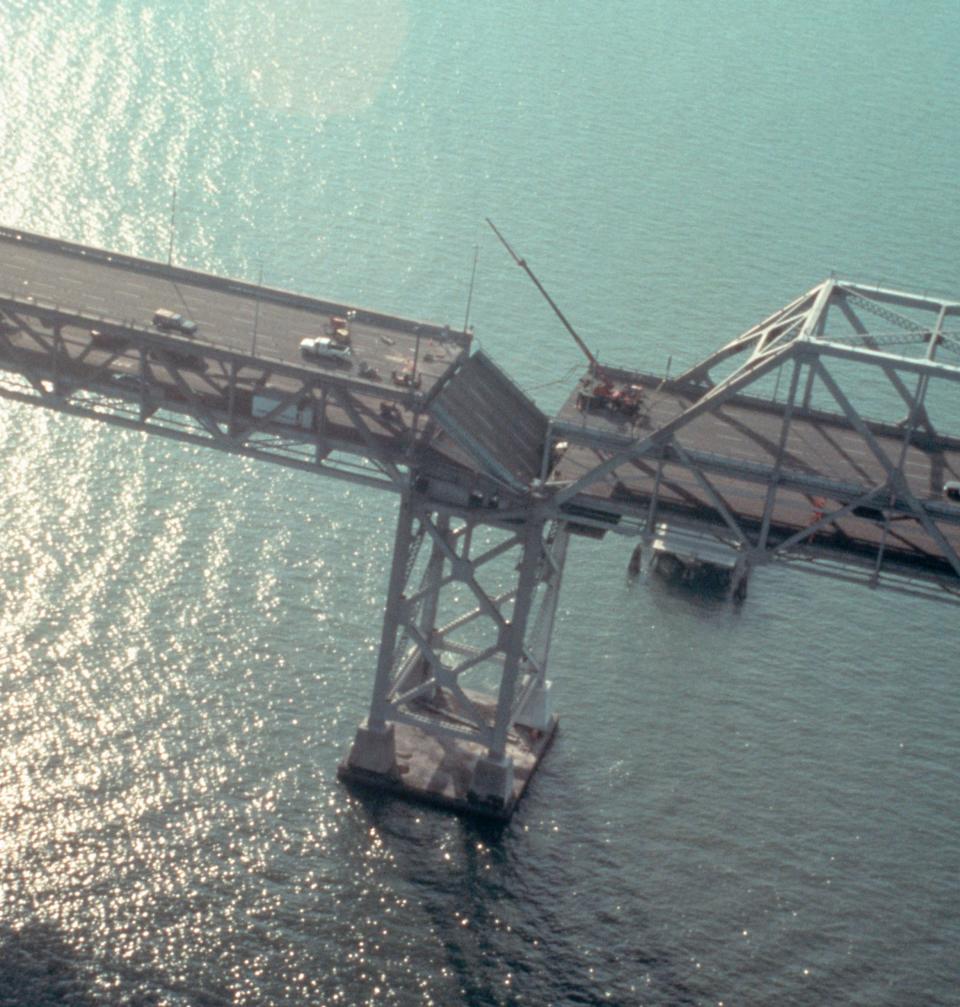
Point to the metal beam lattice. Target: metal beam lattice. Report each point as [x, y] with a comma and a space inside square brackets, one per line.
[451, 641]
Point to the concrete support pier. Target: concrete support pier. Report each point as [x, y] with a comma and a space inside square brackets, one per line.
[374, 749]
[454, 773]
[429, 736]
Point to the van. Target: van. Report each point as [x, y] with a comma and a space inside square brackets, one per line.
[163, 318]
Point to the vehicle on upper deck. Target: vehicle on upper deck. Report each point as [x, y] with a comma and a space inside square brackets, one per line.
[108, 340]
[951, 489]
[406, 376]
[339, 330]
[163, 318]
[324, 348]
[601, 393]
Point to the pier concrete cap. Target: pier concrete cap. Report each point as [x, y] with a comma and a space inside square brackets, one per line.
[538, 709]
[374, 749]
[492, 781]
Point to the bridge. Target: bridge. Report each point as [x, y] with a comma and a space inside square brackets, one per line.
[822, 437]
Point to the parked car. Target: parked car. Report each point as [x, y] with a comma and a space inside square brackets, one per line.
[324, 348]
[951, 489]
[171, 321]
[108, 340]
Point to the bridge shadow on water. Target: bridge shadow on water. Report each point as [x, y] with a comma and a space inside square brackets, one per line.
[38, 968]
[513, 917]
[705, 595]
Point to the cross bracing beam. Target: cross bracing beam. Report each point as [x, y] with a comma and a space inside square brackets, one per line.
[898, 484]
[863, 573]
[891, 361]
[869, 486]
[806, 318]
[785, 321]
[874, 340]
[234, 398]
[763, 475]
[425, 658]
[814, 321]
[902, 298]
[117, 411]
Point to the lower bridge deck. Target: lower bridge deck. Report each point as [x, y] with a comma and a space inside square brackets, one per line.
[726, 460]
[78, 320]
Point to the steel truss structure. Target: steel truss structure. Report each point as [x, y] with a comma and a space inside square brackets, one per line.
[482, 604]
[875, 504]
[187, 390]
[768, 446]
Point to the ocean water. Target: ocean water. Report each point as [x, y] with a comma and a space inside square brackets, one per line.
[743, 806]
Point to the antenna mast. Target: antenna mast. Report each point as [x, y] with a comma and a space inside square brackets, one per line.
[473, 276]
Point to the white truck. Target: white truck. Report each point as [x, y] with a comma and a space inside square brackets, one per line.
[323, 348]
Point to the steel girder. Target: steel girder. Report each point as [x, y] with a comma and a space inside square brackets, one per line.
[480, 605]
[193, 392]
[802, 342]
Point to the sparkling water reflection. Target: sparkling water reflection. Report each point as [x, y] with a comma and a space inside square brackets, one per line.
[747, 806]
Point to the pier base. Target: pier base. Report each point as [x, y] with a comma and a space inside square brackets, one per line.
[374, 750]
[492, 781]
[537, 711]
[452, 773]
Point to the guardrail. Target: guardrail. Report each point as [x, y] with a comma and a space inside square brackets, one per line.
[428, 330]
[131, 329]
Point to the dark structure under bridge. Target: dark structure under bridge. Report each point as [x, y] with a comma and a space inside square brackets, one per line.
[824, 437]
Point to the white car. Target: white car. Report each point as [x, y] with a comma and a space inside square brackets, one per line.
[323, 348]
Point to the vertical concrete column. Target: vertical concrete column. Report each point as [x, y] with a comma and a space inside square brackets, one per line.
[432, 580]
[373, 746]
[493, 775]
[536, 711]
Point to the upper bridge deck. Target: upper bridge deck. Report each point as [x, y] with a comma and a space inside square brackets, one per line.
[233, 315]
[82, 318]
[767, 477]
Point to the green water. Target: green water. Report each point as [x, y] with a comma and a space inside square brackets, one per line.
[743, 806]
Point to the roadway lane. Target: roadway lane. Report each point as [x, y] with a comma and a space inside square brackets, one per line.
[227, 313]
[739, 431]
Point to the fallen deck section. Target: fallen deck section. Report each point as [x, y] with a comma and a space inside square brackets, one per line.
[501, 429]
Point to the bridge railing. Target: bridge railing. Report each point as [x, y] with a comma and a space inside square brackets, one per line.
[136, 332]
[427, 330]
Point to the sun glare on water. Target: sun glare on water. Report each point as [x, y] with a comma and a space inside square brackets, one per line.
[323, 60]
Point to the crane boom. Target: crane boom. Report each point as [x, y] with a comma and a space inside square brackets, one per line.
[594, 364]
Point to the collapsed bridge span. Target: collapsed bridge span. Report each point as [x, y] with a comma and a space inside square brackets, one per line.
[825, 437]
